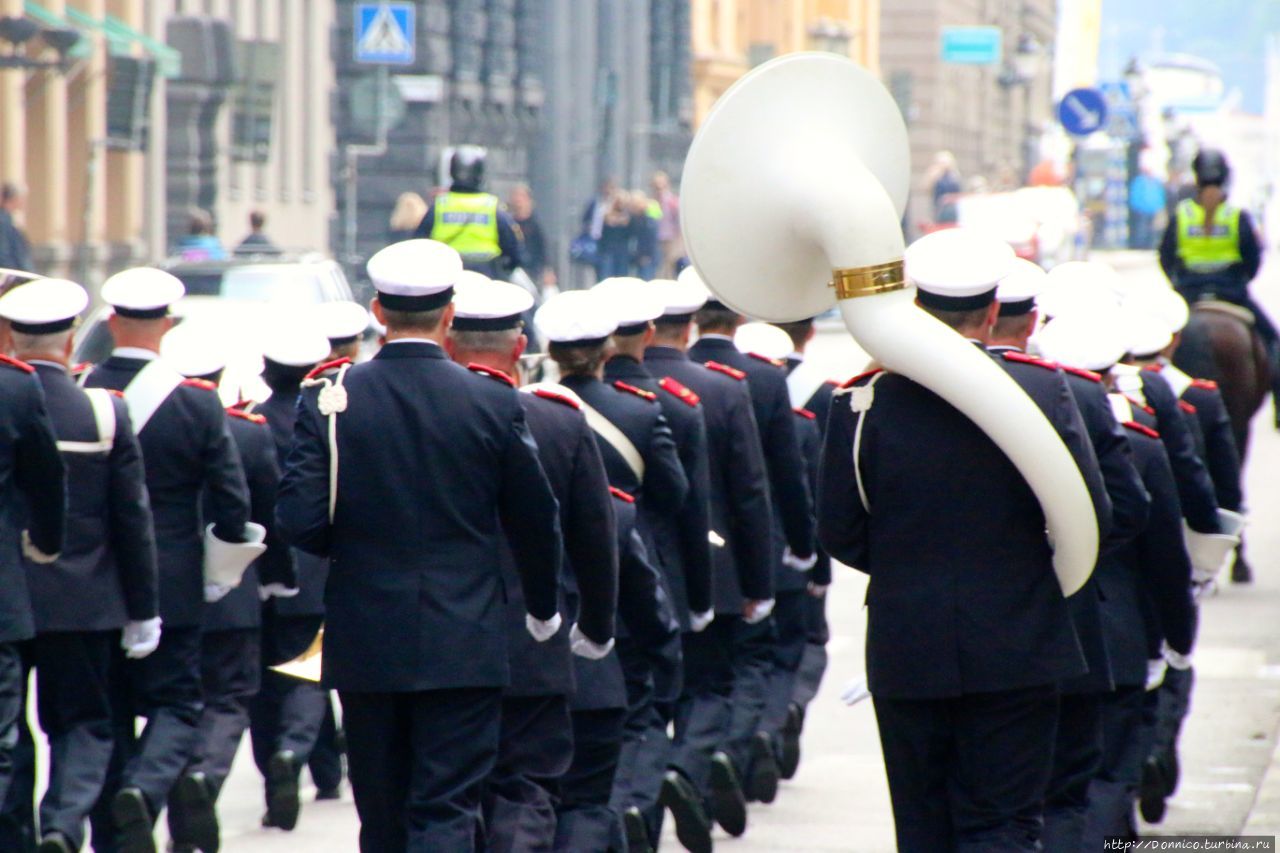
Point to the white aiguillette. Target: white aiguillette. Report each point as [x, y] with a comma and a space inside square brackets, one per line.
[225, 562]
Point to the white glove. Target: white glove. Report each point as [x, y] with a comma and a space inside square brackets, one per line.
[583, 647]
[759, 612]
[855, 691]
[1155, 673]
[1201, 591]
[34, 554]
[140, 639]
[277, 590]
[540, 630]
[791, 561]
[698, 622]
[215, 592]
[1177, 661]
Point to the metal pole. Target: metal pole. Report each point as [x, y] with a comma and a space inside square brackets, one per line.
[352, 154]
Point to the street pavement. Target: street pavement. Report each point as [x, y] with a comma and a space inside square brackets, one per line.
[839, 800]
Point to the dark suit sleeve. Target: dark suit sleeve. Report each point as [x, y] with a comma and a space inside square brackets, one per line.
[694, 520]
[1166, 569]
[263, 476]
[39, 473]
[132, 533]
[427, 223]
[1070, 426]
[1169, 260]
[302, 504]
[591, 540]
[225, 487]
[811, 447]
[1195, 488]
[1250, 249]
[842, 519]
[748, 495]
[1130, 502]
[642, 602]
[665, 486]
[1220, 450]
[530, 517]
[787, 474]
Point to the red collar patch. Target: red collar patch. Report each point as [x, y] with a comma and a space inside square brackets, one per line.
[639, 392]
[621, 495]
[726, 370]
[1142, 430]
[247, 416]
[1023, 358]
[492, 373]
[1206, 384]
[1186, 407]
[1082, 373]
[328, 365]
[1154, 367]
[805, 413]
[680, 392]
[861, 376]
[776, 362]
[19, 364]
[559, 398]
[200, 383]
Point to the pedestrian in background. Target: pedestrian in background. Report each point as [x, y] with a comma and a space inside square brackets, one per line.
[201, 244]
[257, 242]
[670, 243]
[409, 211]
[15, 252]
[613, 250]
[944, 186]
[645, 217]
[586, 246]
[536, 261]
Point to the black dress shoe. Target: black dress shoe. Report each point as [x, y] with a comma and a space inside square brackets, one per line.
[193, 822]
[728, 804]
[790, 759]
[693, 829]
[1241, 572]
[762, 780]
[637, 832]
[55, 842]
[282, 791]
[132, 817]
[328, 794]
[1152, 791]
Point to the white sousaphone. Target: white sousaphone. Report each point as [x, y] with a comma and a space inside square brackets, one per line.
[791, 199]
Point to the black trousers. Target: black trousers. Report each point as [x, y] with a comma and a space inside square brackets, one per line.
[969, 773]
[1077, 756]
[417, 763]
[791, 620]
[704, 711]
[813, 664]
[753, 662]
[1124, 749]
[325, 762]
[18, 752]
[584, 818]
[230, 675]
[535, 748]
[287, 714]
[653, 685]
[165, 687]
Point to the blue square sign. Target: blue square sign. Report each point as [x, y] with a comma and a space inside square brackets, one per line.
[384, 33]
[972, 45]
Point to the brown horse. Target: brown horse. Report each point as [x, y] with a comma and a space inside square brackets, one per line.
[1220, 343]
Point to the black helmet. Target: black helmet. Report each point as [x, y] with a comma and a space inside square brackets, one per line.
[466, 167]
[1210, 167]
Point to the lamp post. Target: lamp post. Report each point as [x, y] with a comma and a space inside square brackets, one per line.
[18, 32]
[1022, 70]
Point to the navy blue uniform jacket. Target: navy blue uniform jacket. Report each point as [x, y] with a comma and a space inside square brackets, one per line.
[186, 450]
[106, 574]
[435, 464]
[1195, 487]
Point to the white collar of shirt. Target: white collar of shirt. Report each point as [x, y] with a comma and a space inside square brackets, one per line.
[135, 352]
[795, 355]
[714, 337]
[413, 341]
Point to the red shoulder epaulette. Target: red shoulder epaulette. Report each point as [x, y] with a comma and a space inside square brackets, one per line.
[328, 365]
[680, 392]
[1148, 409]
[13, 362]
[639, 392]
[492, 373]
[559, 398]
[805, 413]
[114, 393]
[1206, 384]
[776, 362]
[726, 370]
[621, 495]
[1154, 367]
[248, 416]
[861, 376]
[1186, 407]
[1023, 358]
[1142, 430]
[80, 369]
[200, 383]
[1082, 373]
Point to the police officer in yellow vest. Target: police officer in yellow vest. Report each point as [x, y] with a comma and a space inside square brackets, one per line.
[1210, 248]
[471, 221]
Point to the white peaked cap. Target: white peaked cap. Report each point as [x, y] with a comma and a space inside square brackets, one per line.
[763, 339]
[340, 320]
[194, 350]
[680, 297]
[43, 306]
[483, 304]
[958, 263]
[576, 316]
[299, 346]
[142, 292]
[418, 275]
[1080, 340]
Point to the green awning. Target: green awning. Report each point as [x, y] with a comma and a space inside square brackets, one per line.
[119, 36]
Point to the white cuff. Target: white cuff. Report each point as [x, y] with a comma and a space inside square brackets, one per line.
[34, 554]
[277, 590]
[698, 622]
[855, 691]
[1155, 673]
[139, 639]
[761, 611]
[540, 630]
[1174, 659]
[584, 647]
[791, 561]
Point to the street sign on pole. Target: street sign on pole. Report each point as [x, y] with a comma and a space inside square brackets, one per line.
[384, 33]
[1082, 111]
[972, 45]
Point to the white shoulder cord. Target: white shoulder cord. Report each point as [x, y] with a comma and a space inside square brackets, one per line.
[332, 401]
[860, 399]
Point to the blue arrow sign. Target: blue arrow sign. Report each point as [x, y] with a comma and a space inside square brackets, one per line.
[384, 33]
[1082, 111]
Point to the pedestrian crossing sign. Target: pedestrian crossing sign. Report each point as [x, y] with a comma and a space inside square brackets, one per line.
[384, 33]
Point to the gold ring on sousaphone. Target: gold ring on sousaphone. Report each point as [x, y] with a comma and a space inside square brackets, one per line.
[868, 281]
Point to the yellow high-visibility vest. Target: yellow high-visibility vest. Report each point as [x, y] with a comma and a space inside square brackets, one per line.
[1212, 248]
[469, 223]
